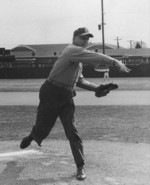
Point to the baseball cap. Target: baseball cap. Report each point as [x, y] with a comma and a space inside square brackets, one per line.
[82, 32]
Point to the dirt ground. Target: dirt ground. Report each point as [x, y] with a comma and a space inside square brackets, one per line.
[107, 163]
[116, 146]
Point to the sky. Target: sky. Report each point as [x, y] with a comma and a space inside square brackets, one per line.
[54, 21]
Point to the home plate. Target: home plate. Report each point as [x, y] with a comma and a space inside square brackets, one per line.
[19, 154]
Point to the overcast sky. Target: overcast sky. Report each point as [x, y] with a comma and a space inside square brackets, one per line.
[53, 21]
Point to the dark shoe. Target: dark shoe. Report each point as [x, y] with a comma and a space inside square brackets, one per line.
[26, 141]
[80, 174]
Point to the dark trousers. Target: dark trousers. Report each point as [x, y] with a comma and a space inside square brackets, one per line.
[57, 102]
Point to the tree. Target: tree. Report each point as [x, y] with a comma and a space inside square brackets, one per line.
[138, 45]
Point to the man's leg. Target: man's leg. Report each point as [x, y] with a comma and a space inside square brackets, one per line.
[46, 116]
[67, 118]
[45, 120]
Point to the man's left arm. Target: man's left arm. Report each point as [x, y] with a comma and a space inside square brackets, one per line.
[84, 84]
[100, 90]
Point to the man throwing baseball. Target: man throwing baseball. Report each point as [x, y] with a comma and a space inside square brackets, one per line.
[56, 94]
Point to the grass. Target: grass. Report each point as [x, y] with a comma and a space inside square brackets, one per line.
[111, 123]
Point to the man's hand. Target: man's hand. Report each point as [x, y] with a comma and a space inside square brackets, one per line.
[103, 90]
[121, 66]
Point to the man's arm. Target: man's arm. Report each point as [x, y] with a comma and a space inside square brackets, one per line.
[84, 84]
[93, 58]
[100, 90]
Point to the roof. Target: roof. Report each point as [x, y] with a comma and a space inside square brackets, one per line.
[49, 47]
[99, 45]
[41, 49]
[22, 48]
[47, 50]
[127, 52]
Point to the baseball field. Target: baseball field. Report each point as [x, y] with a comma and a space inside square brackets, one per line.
[116, 138]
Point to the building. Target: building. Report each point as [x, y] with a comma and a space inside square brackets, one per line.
[36, 61]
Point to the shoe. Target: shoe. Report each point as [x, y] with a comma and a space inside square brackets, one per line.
[26, 141]
[81, 174]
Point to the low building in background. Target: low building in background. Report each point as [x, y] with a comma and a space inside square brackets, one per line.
[36, 61]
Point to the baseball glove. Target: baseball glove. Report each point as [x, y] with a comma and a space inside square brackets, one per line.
[103, 90]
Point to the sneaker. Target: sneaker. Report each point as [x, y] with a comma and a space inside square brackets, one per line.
[80, 174]
[26, 141]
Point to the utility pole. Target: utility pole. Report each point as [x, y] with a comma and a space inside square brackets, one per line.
[141, 44]
[131, 41]
[103, 37]
[117, 39]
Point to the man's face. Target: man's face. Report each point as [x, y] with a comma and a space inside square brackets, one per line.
[82, 41]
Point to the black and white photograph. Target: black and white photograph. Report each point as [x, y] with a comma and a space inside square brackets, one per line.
[75, 92]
